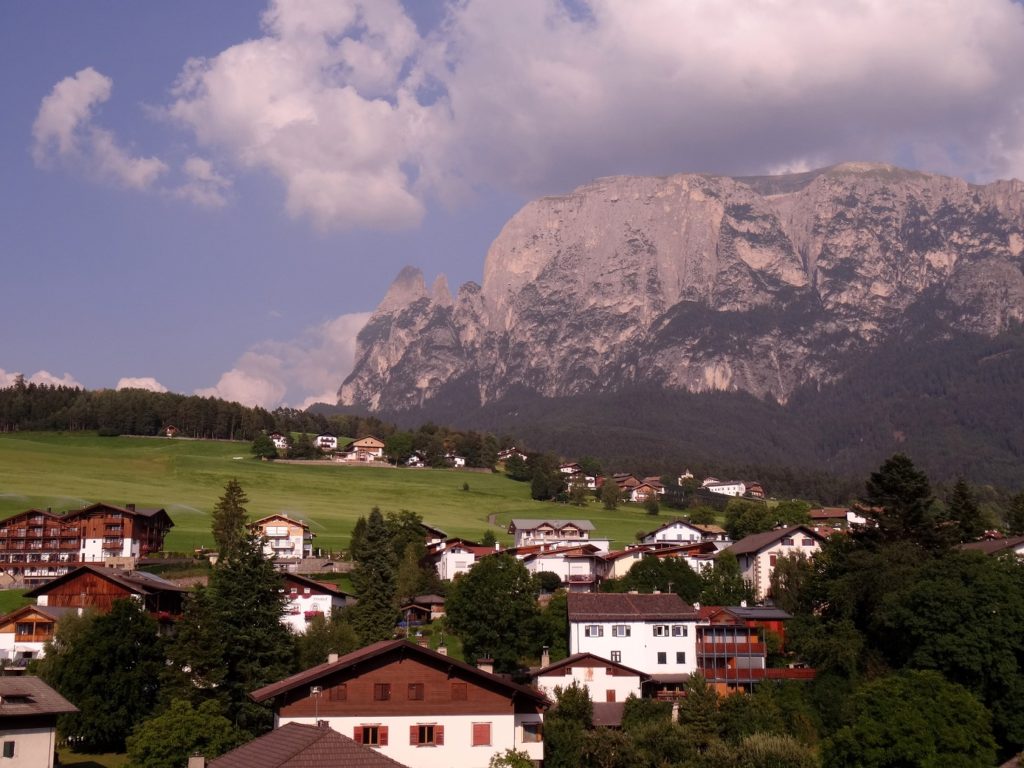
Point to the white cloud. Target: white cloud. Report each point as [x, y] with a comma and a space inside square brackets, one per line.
[204, 186]
[298, 372]
[64, 130]
[39, 377]
[143, 382]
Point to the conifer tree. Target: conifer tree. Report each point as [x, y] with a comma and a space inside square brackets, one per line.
[963, 513]
[374, 616]
[230, 517]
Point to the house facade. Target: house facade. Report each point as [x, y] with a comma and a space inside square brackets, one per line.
[308, 599]
[365, 449]
[92, 586]
[24, 633]
[28, 722]
[676, 532]
[39, 545]
[581, 568]
[528, 532]
[456, 556]
[325, 441]
[758, 553]
[605, 680]
[293, 745]
[654, 633]
[283, 536]
[414, 705]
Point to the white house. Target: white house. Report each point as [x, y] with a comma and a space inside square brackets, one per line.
[758, 553]
[366, 449]
[621, 561]
[652, 633]
[308, 598]
[454, 460]
[325, 441]
[675, 532]
[280, 441]
[415, 460]
[605, 680]
[25, 631]
[581, 568]
[283, 536]
[417, 706]
[455, 556]
[28, 722]
[726, 488]
[559, 532]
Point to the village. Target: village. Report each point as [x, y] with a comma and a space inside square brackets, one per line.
[621, 646]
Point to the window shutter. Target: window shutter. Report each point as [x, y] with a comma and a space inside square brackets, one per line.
[414, 732]
[481, 734]
[439, 735]
[357, 734]
[383, 731]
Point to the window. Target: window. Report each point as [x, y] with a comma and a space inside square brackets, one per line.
[337, 693]
[680, 657]
[679, 630]
[772, 559]
[23, 628]
[661, 630]
[617, 657]
[382, 691]
[808, 542]
[481, 734]
[593, 630]
[415, 691]
[8, 749]
[460, 691]
[662, 657]
[426, 735]
[620, 630]
[305, 590]
[371, 735]
[787, 542]
[533, 733]
[609, 695]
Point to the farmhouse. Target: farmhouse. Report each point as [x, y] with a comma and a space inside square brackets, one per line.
[308, 599]
[25, 631]
[92, 586]
[606, 681]
[415, 705]
[364, 449]
[28, 721]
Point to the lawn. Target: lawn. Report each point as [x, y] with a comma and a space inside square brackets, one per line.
[12, 600]
[66, 471]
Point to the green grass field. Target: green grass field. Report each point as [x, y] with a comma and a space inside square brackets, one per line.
[66, 471]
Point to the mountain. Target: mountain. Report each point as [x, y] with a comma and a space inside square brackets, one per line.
[771, 290]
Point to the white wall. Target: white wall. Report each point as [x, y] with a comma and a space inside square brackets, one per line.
[33, 747]
[757, 568]
[641, 648]
[596, 680]
[457, 751]
[677, 533]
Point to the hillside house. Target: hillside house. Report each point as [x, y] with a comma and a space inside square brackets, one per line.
[454, 460]
[283, 536]
[618, 563]
[39, 545]
[294, 746]
[1010, 545]
[725, 488]
[93, 586]
[677, 531]
[528, 532]
[28, 721]
[580, 568]
[366, 449]
[455, 556]
[25, 631]
[281, 442]
[308, 599]
[326, 442]
[758, 553]
[606, 681]
[654, 633]
[507, 453]
[417, 706]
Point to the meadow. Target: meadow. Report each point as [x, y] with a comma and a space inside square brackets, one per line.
[185, 477]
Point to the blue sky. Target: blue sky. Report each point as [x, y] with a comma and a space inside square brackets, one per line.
[211, 196]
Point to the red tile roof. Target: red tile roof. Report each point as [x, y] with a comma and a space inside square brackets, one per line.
[304, 746]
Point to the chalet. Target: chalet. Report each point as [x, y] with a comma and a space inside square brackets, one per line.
[699, 555]
[283, 536]
[835, 518]
[580, 568]
[432, 535]
[1010, 545]
[731, 649]
[92, 586]
[653, 633]
[281, 442]
[712, 532]
[28, 721]
[325, 441]
[656, 484]
[620, 562]
[455, 556]
[758, 553]
[25, 631]
[726, 488]
[559, 532]
[308, 598]
[433, 603]
[417, 706]
[294, 745]
[674, 532]
[38, 545]
[606, 681]
[364, 449]
[416, 460]
[508, 453]
[455, 460]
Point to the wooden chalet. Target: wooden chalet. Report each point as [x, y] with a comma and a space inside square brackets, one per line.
[91, 586]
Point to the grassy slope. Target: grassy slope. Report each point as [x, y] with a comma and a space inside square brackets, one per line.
[186, 477]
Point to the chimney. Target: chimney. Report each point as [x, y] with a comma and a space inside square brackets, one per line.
[131, 508]
[545, 656]
[743, 603]
[332, 658]
[497, 546]
[696, 606]
[485, 665]
[443, 650]
[197, 761]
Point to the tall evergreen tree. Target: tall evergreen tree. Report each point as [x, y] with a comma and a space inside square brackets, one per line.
[1015, 516]
[900, 498]
[374, 616]
[229, 518]
[963, 515]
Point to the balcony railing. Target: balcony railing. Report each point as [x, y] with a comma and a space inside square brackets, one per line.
[732, 648]
[581, 578]
[718, 675]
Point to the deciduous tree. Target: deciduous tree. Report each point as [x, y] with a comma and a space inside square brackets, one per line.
[169, 739]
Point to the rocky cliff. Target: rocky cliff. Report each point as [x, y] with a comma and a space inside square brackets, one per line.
[702, 283]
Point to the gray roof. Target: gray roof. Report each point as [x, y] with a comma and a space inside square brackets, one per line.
[28, 696]
[995, 546]
[609, 606]
[529, 524]
[304, 746]
[755, 542]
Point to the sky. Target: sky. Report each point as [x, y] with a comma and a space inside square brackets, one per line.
[212, 197]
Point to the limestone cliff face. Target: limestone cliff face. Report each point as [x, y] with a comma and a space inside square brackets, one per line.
[702, 283]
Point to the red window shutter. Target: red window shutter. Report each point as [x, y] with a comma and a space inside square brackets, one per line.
[414, 734]
[439, 735]
[383, 732]
[357, 734]
[481, 734]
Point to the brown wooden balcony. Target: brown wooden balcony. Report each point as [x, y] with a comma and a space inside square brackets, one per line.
[732, 648]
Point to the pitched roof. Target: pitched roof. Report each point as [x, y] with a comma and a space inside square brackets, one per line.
[745, 613]
[608, 714]
[598, 606]
[26, 696]
[324, 587]
[671, 523]
[50, 612]
[381, 648]
[755, 542]
[528, 524]
[128, 510]
[278, 516]
[303, 746]
[995, 546]
[139, 582]
[568, 661]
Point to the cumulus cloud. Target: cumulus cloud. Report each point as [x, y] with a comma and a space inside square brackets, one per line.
[363, 119]
[143, 382]
[39, 377]
[203, 186]
[298, 372]
[64, 131]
